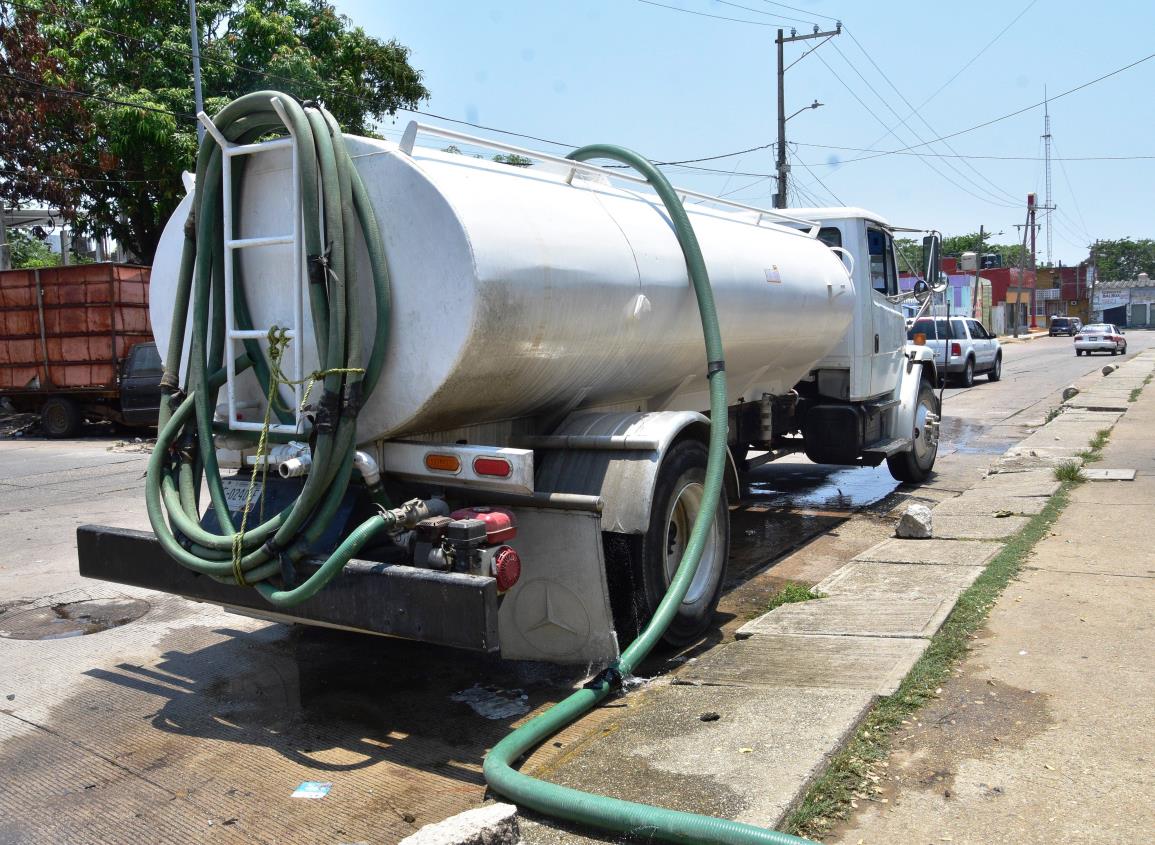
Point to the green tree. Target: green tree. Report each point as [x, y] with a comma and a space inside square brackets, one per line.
[513, 159]
[1124, 258]
[956, 245]
[28, 251]
[96, 102]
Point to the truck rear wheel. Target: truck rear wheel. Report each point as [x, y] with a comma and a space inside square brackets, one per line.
[652, 559]
[60, 417]
[914, 465]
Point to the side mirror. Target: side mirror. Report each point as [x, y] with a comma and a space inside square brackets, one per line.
[931, 247]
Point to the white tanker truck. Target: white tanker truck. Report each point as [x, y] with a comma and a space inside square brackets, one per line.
[541, 406]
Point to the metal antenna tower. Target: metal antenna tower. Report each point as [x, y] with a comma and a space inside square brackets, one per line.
[1048, 202]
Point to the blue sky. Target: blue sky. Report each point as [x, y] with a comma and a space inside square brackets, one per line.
[679, 86]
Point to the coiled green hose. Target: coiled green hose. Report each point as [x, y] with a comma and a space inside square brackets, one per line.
[185, 452]
[599, 810]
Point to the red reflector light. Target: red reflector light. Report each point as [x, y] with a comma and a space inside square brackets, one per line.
[506, 568]
[1078, 337]
[956, 349]
[493, 467]
[442, 463]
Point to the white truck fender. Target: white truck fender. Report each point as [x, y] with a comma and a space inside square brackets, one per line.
[624, 478]
[918, 365]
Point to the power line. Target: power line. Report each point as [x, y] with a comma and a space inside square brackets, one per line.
[993, 198]
[68, 92]
[960, 155]
[803, 11]
[881, 122]
[819, 181]
[1009, 115]
[705, 14]
[915, 112]
[969, 62]
[760, 12]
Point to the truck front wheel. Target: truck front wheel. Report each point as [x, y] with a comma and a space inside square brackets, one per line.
[914, 465]
[60, 417]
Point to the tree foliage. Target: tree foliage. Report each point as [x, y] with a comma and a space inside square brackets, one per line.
[29, 251]
[956, 245]
[1124, 258]
[96, 100]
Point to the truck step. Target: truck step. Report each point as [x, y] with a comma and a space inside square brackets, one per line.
[886, 448]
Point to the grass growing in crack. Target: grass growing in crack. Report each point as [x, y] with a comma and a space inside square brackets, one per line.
[792, 594]
[1051, 414]
[1100, 439]
[1089, 456]
[828, 798]
[1070, 472]
[1134, 397]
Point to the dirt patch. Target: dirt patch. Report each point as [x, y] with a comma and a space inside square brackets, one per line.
[972, 718]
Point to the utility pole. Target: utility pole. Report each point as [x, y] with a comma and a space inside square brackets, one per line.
[781, 41]
[194, 36]
[976, 291]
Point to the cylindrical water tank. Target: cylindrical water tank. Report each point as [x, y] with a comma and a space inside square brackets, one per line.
[517, 291]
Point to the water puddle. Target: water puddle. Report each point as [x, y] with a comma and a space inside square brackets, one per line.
[818, 487]
[69, 619]
[493, 703]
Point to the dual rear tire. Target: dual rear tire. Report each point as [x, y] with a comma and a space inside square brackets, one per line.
[642, 567]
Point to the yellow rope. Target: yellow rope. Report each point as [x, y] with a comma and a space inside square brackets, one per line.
[278, 342]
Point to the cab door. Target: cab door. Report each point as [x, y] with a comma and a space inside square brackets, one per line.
[888, 324]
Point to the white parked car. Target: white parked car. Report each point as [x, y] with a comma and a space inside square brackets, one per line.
[962, 348]
[1100, 337]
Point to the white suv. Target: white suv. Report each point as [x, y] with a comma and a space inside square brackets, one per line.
[962, 348]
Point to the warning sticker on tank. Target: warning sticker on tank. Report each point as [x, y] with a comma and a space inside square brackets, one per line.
[772, 275]
[236, 489]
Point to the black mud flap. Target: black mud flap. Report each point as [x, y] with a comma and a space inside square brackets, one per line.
[446, 608]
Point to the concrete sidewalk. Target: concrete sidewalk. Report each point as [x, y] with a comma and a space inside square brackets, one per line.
[796, 682]
[1047, 733]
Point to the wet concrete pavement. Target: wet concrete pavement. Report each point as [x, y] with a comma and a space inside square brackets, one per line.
[189, 724]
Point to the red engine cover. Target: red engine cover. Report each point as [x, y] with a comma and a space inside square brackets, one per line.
[500, 523]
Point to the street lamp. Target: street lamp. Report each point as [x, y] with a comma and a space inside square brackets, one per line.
[813, 105]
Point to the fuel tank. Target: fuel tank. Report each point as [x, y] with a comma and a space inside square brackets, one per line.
[523, 291]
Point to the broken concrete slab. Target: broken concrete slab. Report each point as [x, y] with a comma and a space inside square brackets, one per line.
[1109, 474]
[936, 552]
[874, 664]
[989, 505]
[977, 525]
[868, 577]
[866, 615]
[1016, 463]
[1040, 482]
[495, 824]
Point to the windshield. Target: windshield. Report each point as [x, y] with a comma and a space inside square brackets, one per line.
[1060, 321]
[934, 329]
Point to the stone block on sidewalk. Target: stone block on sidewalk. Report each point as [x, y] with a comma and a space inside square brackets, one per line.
[915, 523]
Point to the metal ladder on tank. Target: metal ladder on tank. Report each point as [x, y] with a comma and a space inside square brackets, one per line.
[233, 244]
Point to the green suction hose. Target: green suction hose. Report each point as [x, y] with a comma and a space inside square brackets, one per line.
[598, 810]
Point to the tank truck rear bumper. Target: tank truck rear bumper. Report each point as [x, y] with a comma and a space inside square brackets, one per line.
[445, 608]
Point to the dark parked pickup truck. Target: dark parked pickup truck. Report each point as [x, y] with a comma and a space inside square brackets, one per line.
[75, 343]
